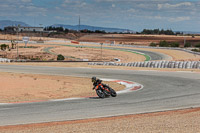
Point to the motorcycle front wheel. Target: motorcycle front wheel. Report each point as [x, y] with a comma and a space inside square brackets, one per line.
[100, 93]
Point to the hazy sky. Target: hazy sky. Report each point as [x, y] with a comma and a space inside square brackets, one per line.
[178, 15]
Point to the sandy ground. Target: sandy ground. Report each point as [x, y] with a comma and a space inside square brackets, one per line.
[93, 54]
[31, 38]
[33, 51]
[32, 87]
[178, 121]
[130, 57]
[137, 39]
[176, 54]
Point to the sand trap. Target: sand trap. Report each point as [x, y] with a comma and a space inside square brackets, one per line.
[31, 87]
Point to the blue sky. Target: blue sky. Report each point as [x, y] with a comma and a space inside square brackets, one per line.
[178, 15]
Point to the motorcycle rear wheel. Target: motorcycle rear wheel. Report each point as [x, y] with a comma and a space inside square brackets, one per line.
[113, 93]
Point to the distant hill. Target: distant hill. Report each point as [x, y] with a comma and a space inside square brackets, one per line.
[92, 28]
[190, 32]
[5, 23]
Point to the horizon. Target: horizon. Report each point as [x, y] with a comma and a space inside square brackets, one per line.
[105, 27]
[136, 15]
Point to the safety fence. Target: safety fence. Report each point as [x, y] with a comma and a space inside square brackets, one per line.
[154, 64]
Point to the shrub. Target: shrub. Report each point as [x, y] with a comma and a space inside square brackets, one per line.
[36, 58]
[4, 46]
[60, 57]
[197, 45]
[168, 44]
[174, 44]
[187, 44]
[196, 50]
[163, 44]
[153, 44]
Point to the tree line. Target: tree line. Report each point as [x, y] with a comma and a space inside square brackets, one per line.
[58, 29]
[61, 29]
[159, 32]
[145, 31]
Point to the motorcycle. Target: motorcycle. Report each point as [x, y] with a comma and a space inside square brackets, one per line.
[103, 90]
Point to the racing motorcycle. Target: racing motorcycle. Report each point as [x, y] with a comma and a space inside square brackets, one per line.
[103, 90]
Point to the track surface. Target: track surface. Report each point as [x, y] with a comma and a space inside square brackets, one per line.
[152, 55]
[162, 91]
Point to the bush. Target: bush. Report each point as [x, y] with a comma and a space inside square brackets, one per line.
[4, 46]
[196, 50]
[163, 44]
[153, 44]
[168, 44]
[197, 45]
[187, 44]
[174, 44]
[34, 58]
[60, 57]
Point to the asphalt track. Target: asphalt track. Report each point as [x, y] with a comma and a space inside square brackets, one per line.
[152, 55]
[162, 91]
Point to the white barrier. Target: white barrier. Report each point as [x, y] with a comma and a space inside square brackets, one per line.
[155, 64]
[5, 60]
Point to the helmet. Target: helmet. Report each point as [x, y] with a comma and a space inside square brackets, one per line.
[94, 79]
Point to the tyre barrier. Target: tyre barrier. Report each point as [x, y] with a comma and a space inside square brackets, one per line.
[154, 64]
[4, 60]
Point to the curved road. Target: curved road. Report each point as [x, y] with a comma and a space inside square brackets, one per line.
[162, 91]
[152, 55]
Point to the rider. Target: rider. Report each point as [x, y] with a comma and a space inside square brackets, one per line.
[95, 82]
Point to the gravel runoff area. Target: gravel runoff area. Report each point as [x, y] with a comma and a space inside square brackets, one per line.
[34, 87]
[178, 121]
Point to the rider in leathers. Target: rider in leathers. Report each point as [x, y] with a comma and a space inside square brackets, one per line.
[95, 82]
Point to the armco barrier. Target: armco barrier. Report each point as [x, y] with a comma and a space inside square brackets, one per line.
[155, 64]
